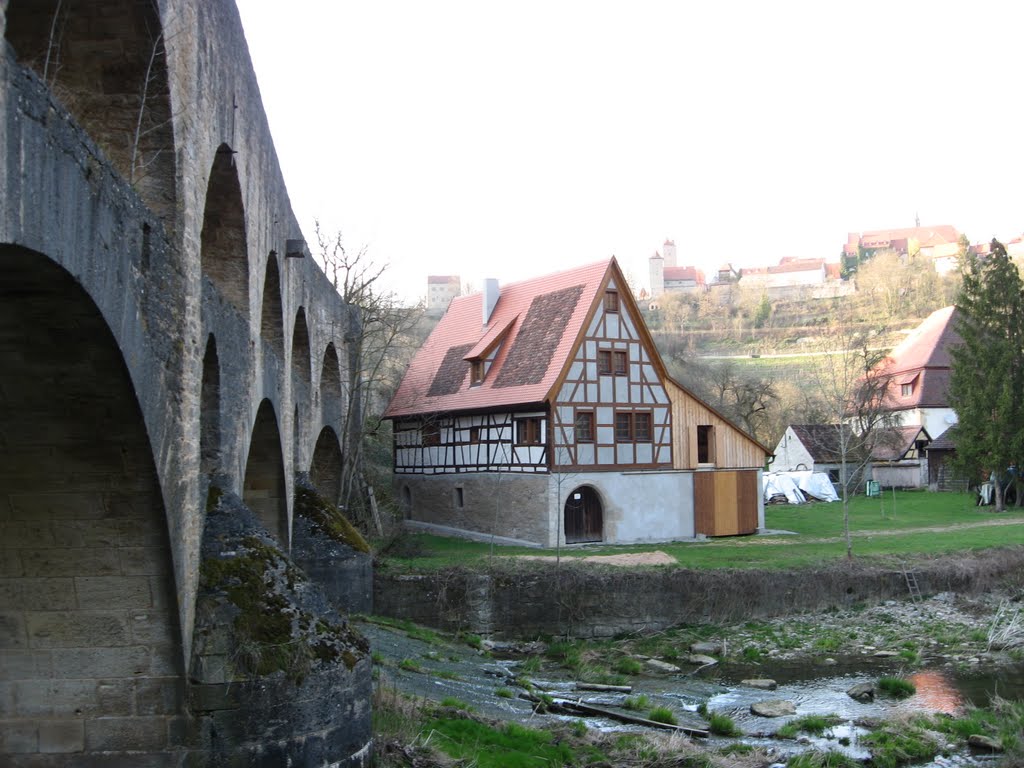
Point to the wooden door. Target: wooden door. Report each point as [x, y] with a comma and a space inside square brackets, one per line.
[584, 519]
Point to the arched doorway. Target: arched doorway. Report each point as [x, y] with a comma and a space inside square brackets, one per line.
[584, 519]
[90, 606]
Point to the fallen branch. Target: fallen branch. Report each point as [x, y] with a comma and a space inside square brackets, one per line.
[622, 717]
[600, 687]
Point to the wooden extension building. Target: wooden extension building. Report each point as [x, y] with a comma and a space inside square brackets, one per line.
[542, 413]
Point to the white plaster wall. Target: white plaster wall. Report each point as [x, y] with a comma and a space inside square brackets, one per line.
[637, 506]
[790, 454]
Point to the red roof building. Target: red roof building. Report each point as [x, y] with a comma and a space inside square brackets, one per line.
[542, 413]
[919, 369]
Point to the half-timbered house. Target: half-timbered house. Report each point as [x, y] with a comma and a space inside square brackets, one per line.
[542, 413]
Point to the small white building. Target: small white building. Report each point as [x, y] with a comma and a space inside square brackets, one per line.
[441, 289]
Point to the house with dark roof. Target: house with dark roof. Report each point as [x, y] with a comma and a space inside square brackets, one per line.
[812, 447]
[898, 457]
[918, 369]
[542, 413]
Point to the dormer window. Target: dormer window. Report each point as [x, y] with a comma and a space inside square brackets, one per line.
[476, 372]
[907, 389]
[611, 301]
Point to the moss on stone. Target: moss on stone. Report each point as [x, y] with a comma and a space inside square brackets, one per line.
[273, 633]
[328, 519]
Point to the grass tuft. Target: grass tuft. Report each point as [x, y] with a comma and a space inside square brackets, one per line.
[897, 687]
[662, 715]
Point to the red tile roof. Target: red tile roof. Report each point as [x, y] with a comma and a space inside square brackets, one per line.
[923, 359]
[547, 315]
[684, 273]
[897, 238]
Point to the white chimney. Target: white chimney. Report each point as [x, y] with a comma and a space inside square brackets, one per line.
[490, 297]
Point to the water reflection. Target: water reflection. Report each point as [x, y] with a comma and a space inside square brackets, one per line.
[936, 692]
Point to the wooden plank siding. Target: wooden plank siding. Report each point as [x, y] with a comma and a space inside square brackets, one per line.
[725, 502]
[732, 448]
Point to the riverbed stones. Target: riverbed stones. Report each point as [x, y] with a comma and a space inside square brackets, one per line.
[763, 684]
[884, 654]
[662, 666]
[983, 743]
[699, 658]
[862, 692]
[710, 648]
[773, 708]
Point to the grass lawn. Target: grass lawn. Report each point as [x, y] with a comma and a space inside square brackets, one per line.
[897, 525]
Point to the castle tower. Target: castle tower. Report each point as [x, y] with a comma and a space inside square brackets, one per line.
[670, 253]
[657, 272]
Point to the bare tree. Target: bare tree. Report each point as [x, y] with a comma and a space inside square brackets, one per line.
[852, 381]
[378, 341]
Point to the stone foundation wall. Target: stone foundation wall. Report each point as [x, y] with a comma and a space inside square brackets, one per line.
[504, 504]
[525, 601]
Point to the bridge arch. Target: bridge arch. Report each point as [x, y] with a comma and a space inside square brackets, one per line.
[109, 68]
[325, 469]
[330, 382]
[265, 489]
[209, 413]
[301, 358]
[223, 250]
[90, 608]
[272, 315]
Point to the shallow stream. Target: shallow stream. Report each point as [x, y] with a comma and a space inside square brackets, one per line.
[450, 670]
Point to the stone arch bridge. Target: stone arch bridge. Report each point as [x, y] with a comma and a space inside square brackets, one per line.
[162, 327]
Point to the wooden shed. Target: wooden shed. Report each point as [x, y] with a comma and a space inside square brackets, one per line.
[727, 463]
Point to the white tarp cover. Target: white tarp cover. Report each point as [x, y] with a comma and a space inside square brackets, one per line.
[780, 483]
[814, 484]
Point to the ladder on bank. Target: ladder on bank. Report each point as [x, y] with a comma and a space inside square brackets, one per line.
[912, 586]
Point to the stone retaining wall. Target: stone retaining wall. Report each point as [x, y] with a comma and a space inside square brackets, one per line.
[519, 600]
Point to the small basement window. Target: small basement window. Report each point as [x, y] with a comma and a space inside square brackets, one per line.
[460, 498]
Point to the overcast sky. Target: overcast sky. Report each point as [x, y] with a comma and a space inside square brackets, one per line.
[490, 139]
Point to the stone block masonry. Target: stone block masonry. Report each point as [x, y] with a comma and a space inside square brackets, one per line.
[148, 326]
[526, 600]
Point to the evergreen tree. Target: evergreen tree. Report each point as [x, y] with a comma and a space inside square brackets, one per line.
[987, 381]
